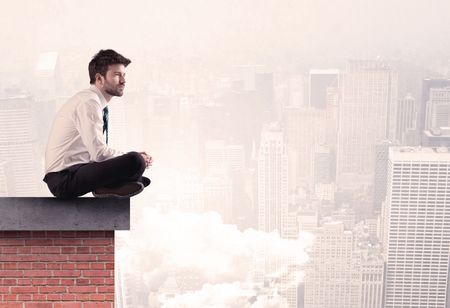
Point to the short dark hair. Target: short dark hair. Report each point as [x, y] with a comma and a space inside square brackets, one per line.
[102, 60]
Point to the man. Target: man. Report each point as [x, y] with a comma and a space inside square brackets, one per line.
[78, 159]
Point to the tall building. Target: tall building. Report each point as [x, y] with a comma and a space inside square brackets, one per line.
[417, 223]
[372, 277]
[427, 85]
[272, 181]
[319, 82]
[333, 278]
[380, 173]
[367, 114]
[438, 108]
[18, 144]
[436, 137]
[406, 120]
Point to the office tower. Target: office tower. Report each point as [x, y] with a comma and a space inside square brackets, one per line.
[332, 118]
[296, 91]
[406, 120]
[332, 279]
[427, 85]
[305, 129]
[438, 108]
[308, 220]
[323, 165]
[417, 227]
[221, 158]
[380, 173]
[18, 144]
[319, 82]
[367, 114]
[436, 137]
[6, 179]
[372, 275]
[272, 181]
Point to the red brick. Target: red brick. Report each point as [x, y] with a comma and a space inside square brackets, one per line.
[68, 297]
[105, 289]
[53, 297]
[68, 266]
[97, 234]
[109, 297]
[98, 249]
[10, 297]
[39, 242]
[24, 297]
[11, 242]
[67, 273]
[36, 234]
[24, 282]
[53, 281]
[98, 305]
[54, 266]
[106, 258]
[67, 282]
[109, 265]
[82, 266]
[52, 289]
[97, 281]
[46, 250]
[81, 297]
[9, 250]
[83, 258]
[38, 305]
[37, 266]
[83, 249]
[109, 249]
[83, 282]
[68, 234]
[109, 281]
[24, 265]
[10, 266]
[83, 289]
[54, 234]
[24, 250]
[39, 297]
[97, 242]
[11, 273]
[8, 282]
[97, 266]
[4, 290]
[97, 297]
[97, 274]
[68, 305]
[52, 258]
[11, 305]
[39, 282]
[67, 242]
[67, 250]
[27, 289]
[37, 273]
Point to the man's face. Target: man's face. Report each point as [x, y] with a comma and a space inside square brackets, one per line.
[114, 81]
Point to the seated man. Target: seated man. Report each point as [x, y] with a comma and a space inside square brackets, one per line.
[78, 159]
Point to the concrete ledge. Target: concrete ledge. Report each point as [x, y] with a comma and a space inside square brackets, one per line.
[51, 214]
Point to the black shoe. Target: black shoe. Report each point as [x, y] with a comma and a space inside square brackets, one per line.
[123, 191]
[145, 181]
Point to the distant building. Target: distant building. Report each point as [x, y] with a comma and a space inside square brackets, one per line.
[436, 137]
[417, 227]
[438, 108]
[406, 120]
[427, 85]
[319, 82]
[367, 113]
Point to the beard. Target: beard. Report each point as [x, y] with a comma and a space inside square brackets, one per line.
[114, 90]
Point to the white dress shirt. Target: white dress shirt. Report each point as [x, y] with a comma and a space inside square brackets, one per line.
[76, 136]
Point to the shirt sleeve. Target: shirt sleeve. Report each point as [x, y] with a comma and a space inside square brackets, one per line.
[89, 122]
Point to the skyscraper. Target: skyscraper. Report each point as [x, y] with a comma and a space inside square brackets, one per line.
[428, 84]
[417, 227]
[406, 120]
[272, 181]
[319, 81]
[438, 108]
[367, 114]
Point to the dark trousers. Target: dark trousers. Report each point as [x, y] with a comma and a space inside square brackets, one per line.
[80, 179]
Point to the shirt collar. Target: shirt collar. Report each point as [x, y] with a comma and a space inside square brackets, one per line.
[100, 95]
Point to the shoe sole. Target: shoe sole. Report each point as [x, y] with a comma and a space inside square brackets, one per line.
[112, 195]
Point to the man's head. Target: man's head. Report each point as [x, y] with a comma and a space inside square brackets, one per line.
[107, 72]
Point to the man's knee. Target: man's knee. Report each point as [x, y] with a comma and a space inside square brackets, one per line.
[137, 162]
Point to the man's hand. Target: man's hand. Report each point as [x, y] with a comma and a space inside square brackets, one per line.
[148, 159]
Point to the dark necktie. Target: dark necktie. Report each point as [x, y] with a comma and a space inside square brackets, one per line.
[105, 122]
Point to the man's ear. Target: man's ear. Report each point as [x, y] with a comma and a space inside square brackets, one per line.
[99, 78]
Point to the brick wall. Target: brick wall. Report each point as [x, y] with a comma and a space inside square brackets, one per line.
[56, 269]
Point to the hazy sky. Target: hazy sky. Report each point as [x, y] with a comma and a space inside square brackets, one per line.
[324, 28]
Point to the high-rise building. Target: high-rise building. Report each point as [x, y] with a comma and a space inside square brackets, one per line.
[417, 227]
[272, 181]
[427, 85]
[438, 108]
[333, 277]
[380, 173]
[372, 277]
[436, 137]
[367, 114]
[319, 82]
[18, 144]
[406, 120]
[6, 179]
